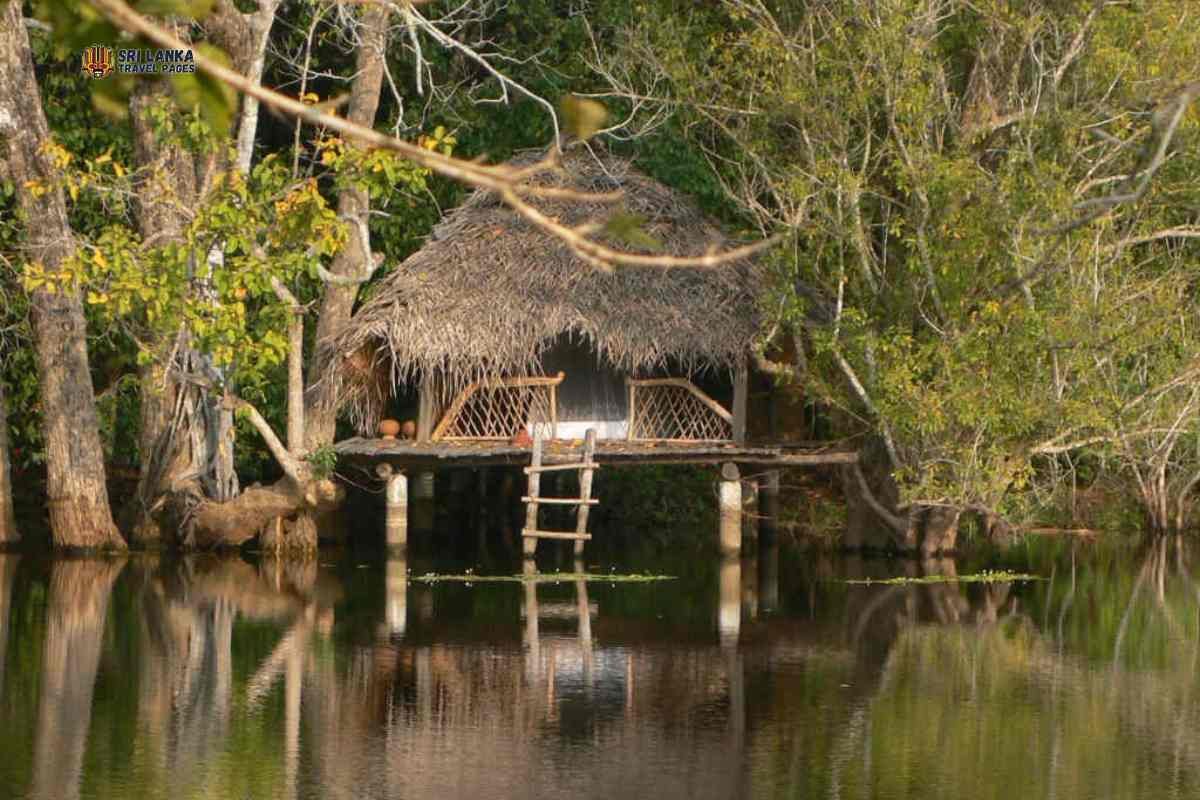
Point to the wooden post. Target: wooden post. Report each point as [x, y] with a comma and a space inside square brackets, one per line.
[554, 411]
[768, 506]
[585, 488]
[426, 409]
[731, 509]
[630, 413]
[740, 388]
[397, 510]
[529, 543]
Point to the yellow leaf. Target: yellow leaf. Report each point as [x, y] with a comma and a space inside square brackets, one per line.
[99, 260]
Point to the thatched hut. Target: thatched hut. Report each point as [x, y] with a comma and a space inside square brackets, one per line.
[499, 327]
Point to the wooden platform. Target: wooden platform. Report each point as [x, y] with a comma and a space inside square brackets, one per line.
[444, 455]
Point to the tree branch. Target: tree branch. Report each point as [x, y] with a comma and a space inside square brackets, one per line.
[506, 181]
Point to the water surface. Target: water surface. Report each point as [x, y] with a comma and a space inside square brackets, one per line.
[762, 677]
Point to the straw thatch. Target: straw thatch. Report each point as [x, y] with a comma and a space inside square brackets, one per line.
[489, 293]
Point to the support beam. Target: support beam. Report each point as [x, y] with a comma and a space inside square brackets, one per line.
[426, 409]
[731, 509]
[741, 381]
[768, 507]
[396, 498]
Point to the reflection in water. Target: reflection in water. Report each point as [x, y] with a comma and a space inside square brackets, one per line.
[8, 570]
[751, 677]
[79, 591]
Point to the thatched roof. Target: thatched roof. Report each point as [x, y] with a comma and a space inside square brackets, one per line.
[489, 292]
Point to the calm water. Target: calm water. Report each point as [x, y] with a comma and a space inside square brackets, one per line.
[765, 677]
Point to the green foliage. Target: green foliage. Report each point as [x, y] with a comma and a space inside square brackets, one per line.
[918, 161]
[323, 461]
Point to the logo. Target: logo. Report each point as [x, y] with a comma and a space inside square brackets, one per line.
[98, 61]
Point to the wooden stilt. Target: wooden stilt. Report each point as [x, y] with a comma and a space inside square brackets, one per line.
[731, 509]
[768, 506]
[396, 498]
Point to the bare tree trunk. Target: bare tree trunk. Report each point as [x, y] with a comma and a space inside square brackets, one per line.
[354, 259]
[8, 523]
[78, 606]
[77, 497]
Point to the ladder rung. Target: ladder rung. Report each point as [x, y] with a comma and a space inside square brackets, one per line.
[560, 501]
[526, 532]
[558, 467]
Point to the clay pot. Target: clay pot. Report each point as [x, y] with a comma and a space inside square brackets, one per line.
[388, 429]
[522, 439]
[408, 430]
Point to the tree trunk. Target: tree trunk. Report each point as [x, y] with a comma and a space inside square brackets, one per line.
[940, 532]
[8, 523]
[353, 204]
[208, 524]
[171, 171]
[78, 606]
[77, 496]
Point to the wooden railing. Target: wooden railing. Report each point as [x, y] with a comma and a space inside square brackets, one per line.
[675, 410]
[497, 409]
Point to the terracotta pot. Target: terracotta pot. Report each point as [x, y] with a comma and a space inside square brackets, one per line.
[388, 428]
[408, 430]
[522, 439]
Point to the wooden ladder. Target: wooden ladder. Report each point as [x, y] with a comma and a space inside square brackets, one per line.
[533, 499]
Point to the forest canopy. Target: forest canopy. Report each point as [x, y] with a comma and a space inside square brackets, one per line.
[982, 220]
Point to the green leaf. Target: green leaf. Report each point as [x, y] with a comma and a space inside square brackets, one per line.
[628, 228]
[583, 116]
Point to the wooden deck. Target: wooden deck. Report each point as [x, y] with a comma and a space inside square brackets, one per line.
[407, 454]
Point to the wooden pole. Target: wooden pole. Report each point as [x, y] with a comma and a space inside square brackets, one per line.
[585, 488]
[768, 506]
[740, 381]
[630, 414]
[731, 509]
[396, 498]
[529, 543]
[426, 409]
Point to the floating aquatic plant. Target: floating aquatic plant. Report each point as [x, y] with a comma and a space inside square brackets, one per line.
[987, 576]
[541, 577]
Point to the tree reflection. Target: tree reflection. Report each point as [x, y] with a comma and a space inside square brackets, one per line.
[76, 613]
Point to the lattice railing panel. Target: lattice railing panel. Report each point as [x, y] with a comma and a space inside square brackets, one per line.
[674, 410]
[500, 410]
